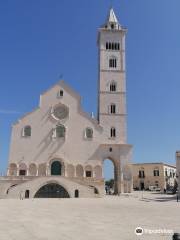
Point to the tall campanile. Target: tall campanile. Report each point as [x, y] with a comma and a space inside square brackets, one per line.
[112, 80]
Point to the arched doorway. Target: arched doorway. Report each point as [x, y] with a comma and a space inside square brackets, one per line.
[52, 190]
[27, 194]
[109, 174]
[76, 193]
[56, 168]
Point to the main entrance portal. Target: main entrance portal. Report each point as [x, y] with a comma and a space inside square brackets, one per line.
[52, 190]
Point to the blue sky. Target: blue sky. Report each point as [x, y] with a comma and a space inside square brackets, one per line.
[42, 39]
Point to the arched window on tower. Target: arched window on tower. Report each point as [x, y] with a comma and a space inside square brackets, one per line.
[89, 133]
[112, 62]
[113, 108]
[113, 86]
[26, 131]
[113, 132]
[107, 46]
[59, 131]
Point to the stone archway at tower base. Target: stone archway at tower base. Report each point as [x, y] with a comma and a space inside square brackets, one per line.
[120, 155]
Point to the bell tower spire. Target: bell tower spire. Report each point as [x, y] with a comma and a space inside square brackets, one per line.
[112, 79]
[112, 19]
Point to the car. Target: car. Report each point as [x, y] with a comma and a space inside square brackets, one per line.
[154, 188]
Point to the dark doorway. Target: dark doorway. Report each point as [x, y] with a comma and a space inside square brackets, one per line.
[142, 186]
[56, 168]
[22, 172]
[76, 193]
[27, 194]
[52, 190]
[88, 174]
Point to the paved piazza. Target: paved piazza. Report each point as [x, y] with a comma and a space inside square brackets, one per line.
[111, 218]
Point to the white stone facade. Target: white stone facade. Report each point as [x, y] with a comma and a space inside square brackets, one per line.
[59, 143]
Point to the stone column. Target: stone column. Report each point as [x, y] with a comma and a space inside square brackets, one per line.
[75, 174]
[117, 178]
[122, 181]
[37, 172]
[84, 172]
[27, 172]
[47, 170]
[18, 170]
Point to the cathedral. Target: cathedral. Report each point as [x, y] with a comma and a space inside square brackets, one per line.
[58, 150]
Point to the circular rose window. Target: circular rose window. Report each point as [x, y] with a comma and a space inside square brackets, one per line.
[60, 112]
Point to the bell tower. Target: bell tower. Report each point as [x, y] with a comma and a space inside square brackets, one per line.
[112, 80]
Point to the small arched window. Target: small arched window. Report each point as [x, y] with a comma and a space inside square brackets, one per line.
[113, 108]
[27, 131]
[113, 86]
[61, 93]
[113, 132]
[59, 131]
[107, 46]
[113, 62]
[89, 133]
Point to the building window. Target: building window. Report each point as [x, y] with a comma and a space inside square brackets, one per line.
[113, 87]
[27, 131]
[59, 132]
[112, 63]
[88, 173]
[112, 46]
[118, 46]
[156, 172]
[166, 173]
[113, 132]
[141, 174]
[61, 93]
[113, 109]
[89, 133]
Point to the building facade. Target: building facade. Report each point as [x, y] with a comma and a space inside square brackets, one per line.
[58, 150]
[161, 175]
[178, 170]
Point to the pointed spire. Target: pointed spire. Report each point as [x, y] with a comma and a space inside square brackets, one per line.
[112, 21]
[112, 17]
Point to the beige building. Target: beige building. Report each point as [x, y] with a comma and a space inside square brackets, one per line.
[178, 170]
[160, 175]
[58, 150]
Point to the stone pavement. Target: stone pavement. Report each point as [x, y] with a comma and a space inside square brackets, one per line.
[109, 218]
